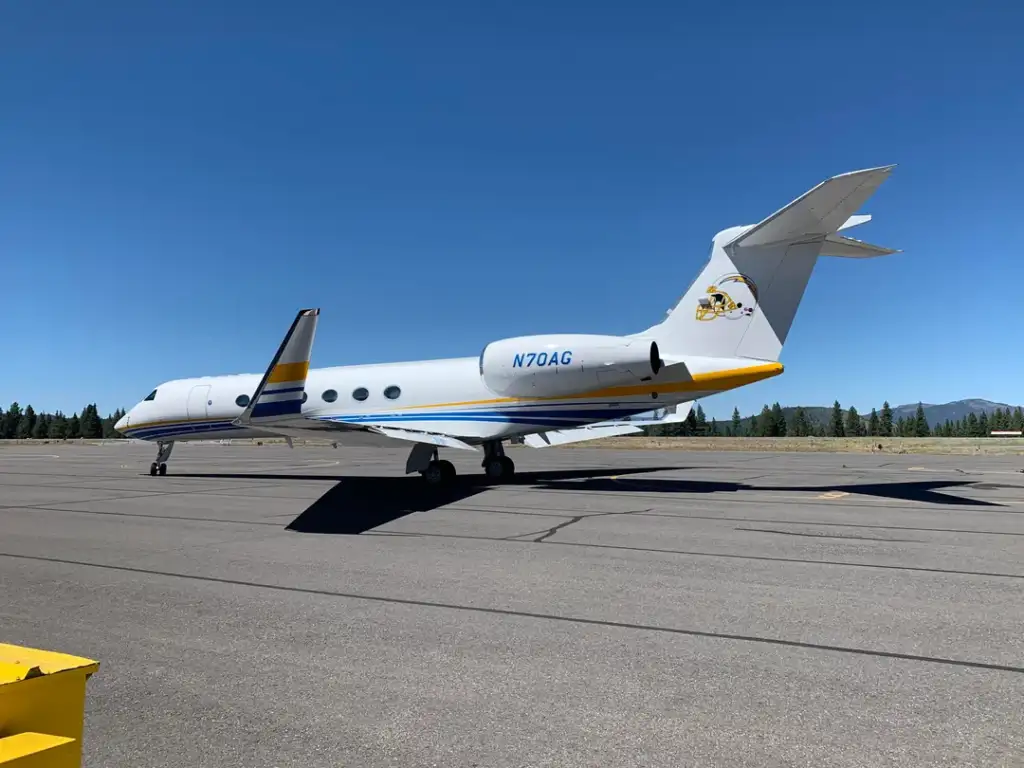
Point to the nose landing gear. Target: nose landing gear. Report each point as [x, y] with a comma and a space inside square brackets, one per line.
[159, 467]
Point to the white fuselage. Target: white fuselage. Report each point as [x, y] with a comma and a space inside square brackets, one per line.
[446, 396]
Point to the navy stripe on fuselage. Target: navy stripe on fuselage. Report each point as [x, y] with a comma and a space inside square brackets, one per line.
[277, 408]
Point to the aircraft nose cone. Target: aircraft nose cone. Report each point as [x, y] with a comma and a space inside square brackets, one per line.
[122, 423]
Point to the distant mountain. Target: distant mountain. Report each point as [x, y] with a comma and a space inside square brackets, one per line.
[935, 414]
[959, 409]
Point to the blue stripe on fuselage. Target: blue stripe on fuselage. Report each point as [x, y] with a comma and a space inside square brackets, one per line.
[277, 408]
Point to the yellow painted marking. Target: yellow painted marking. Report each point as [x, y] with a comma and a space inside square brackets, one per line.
[833, 495]
[288, 372]
[716, 381]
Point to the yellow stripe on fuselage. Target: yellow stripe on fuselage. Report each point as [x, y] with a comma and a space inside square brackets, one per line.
[288, 372]
[715, 381]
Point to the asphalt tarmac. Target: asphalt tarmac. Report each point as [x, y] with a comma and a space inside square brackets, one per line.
[261, 606]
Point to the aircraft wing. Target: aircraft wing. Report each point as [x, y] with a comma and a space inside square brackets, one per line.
[276, 406]
[610, 428]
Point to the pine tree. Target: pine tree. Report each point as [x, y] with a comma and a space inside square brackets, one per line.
[920, 423]
[714, 428]
[58, 426]
[10, 423]
[901, 427]
[854, 428]
[1017, 422]
[873, 424]
[984, 429]
[752, 429]
[765, 423]
[42, 428]
[778, 421]
[700, 421]
[971, 425]
[801, 427]
[736, 425]
[836, 425]
[26, 423]
[885, 422]
[91, 426]
[74, 429]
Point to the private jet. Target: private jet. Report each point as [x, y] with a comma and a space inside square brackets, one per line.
[726, 331]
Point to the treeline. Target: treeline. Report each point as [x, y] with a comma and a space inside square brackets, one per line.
[21, 424]
[773, 422]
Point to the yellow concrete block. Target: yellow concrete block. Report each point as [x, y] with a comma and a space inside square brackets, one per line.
[43, 693]
[38, 750]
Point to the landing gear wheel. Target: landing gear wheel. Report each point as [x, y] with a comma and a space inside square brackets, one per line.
[439, 473]
[153, 468]
[499, 468]
[163, 469]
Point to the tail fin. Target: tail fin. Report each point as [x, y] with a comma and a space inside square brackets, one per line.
[745, 299]
[278, 398]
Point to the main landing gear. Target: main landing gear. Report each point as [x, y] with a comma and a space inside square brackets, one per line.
[438, 472]
[497, 466]
[159, 467]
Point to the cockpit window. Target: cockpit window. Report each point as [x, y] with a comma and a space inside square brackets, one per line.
[151, 395]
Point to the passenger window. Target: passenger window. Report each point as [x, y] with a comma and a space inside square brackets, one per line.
[329, 396]
[304, 396]
[392, 392]
[360, 394]
[242, 400]
[151, 395]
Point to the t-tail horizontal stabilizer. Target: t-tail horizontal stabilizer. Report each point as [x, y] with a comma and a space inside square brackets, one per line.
[817, 213]
[278, 398]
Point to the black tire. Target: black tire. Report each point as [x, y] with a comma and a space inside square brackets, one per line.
[434, 474]
[495, 468]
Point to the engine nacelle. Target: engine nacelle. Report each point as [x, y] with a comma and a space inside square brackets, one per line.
[564, 364]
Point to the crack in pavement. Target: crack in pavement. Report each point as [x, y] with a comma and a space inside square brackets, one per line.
[828, 536]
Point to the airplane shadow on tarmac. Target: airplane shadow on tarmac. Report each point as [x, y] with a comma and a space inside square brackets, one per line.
[357, 504]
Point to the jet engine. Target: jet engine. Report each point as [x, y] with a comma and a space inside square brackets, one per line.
[564, 364]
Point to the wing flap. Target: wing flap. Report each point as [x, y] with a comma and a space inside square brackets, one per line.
[432, 438]
[578, 434]
[612, 428]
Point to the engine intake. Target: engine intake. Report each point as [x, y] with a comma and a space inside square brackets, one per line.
[566, 364]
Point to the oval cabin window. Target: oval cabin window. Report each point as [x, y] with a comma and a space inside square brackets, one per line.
[360, 394]
[329, 396]
[242, 400]
[392, 392]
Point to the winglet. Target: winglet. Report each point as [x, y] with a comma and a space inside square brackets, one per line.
[279, 396]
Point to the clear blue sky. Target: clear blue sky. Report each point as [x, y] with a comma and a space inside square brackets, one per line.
[177, 179]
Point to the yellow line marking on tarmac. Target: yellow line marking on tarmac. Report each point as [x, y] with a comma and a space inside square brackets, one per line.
[833, 495]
